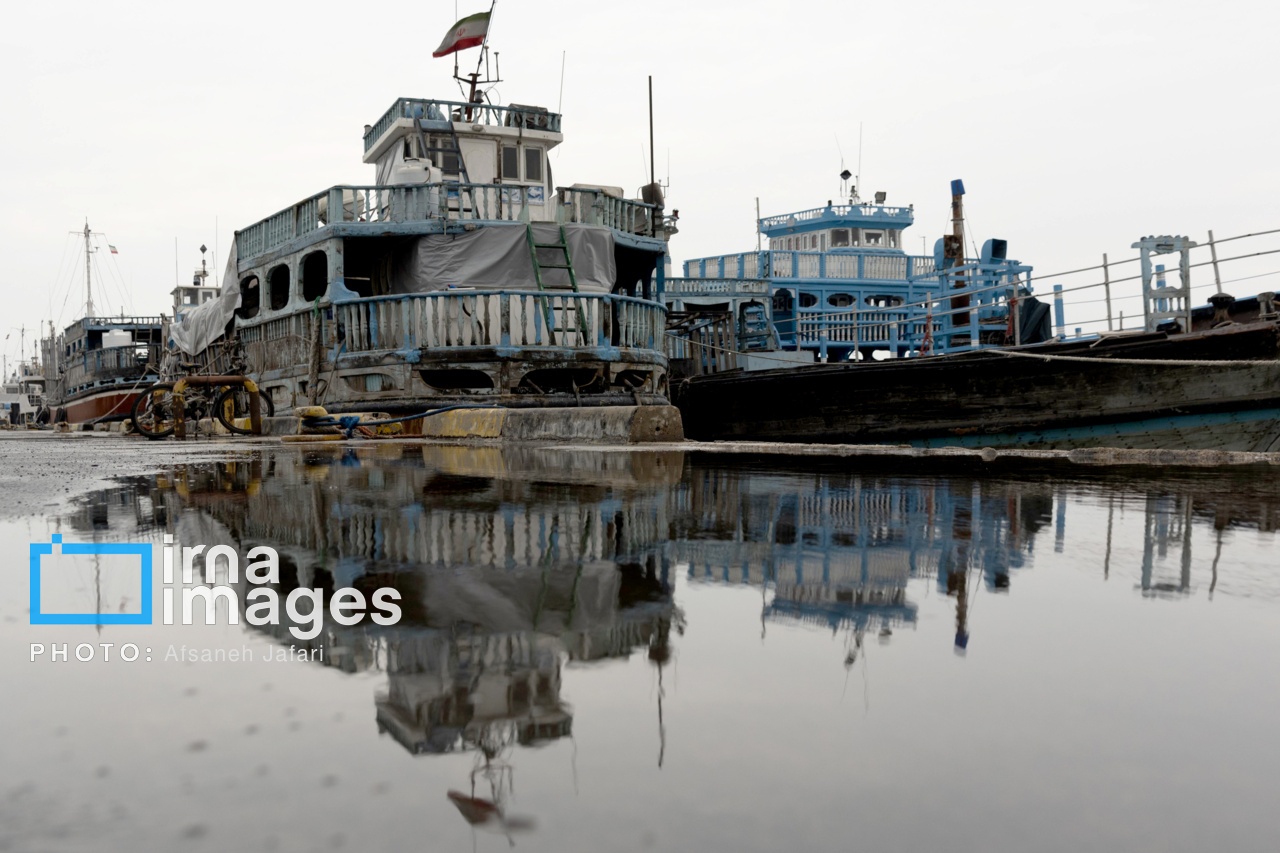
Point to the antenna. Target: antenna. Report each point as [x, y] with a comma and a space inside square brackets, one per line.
[560, 102]
[651, 172]
[857, 180]
[843, 170]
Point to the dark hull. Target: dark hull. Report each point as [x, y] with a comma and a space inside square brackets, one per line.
[986, 399]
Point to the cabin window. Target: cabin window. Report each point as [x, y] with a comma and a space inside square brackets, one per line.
[893, 239]
[278, 286]
[873, 238]
[808, 300]
[533, 164]
[782, 302]
[813, 241]
[315, 276]
[884, 301]
[855, 237]
[250, 297]
[839, 300]
[510, 163]
[839, 237]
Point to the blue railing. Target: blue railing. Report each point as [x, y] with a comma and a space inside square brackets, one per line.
[441, 202]
[820, 265]
[430, 109]
[873, 213]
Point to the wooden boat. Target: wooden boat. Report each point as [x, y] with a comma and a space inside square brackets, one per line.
[970, 357]
[1217, 389]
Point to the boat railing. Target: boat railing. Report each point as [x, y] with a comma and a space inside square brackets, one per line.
[840, 211]
[461, 319]
[489, 115]
[817, 265]
[448, 201]
[109, 364]
[727, 287]
[595, 207]
[981, 312]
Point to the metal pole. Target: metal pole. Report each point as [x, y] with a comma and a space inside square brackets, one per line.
[88, 276]
[1059, 316]
[1217, 279]
[651, 171]
[1106, 284]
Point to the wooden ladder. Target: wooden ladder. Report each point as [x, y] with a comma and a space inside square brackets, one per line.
[577, 307]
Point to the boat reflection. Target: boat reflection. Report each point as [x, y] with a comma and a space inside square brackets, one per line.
[839, 550]
[515, 563]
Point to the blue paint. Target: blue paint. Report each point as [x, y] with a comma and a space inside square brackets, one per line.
[338, 292]
[842, 285]
[1101, 432]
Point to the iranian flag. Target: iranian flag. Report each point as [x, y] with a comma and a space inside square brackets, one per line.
[469, 32]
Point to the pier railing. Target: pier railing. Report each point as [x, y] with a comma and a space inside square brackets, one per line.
[445, 202]
[456, 319]
[818, 265]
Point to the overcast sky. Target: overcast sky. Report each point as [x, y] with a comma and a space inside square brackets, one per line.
[1077, 128]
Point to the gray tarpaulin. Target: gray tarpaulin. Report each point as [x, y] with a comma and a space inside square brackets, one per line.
[497, 258]
[205, 323]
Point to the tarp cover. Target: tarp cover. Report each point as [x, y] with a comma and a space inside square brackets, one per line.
[205, 323]
[497, 258]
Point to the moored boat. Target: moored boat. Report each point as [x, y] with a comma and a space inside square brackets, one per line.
[463, 274]
[97, 366]
[958, 352]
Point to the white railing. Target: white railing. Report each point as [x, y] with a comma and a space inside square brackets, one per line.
[818, 265]
[432, 110]
[486, 319]
[715, 287]
[447, 202]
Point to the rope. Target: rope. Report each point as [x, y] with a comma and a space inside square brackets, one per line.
[693, 343]
[1159, 362]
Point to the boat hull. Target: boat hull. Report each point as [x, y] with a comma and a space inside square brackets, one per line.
[101, 406]
[1100, 395]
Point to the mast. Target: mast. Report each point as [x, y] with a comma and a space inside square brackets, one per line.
[88, 275]
[953, 251]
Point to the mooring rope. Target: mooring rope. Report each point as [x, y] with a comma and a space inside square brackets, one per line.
[1158, 362]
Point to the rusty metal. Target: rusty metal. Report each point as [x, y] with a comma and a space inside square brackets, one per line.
[180, 388]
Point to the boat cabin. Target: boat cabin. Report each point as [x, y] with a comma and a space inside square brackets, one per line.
[842, 287]
[463, 271]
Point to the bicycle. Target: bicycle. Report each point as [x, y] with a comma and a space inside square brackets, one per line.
[153, 410]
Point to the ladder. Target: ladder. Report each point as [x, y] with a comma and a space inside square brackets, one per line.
[577, 307]
[455, 149]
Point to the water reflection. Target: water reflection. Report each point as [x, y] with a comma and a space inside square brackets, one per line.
[515, 565]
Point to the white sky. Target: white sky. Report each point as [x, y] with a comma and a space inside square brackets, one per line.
[1077, 128]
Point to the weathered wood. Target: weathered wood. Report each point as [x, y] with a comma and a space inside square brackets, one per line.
[986, 398]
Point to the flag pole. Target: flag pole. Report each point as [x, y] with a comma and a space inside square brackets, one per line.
[484, 45]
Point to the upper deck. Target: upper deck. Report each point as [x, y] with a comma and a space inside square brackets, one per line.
[861, 215]
[461, 116]
[446, 166]
[345, 211]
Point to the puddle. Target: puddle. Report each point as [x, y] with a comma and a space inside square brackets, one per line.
[635, 651]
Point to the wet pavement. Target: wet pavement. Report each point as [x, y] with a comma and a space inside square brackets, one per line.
[638, 650]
